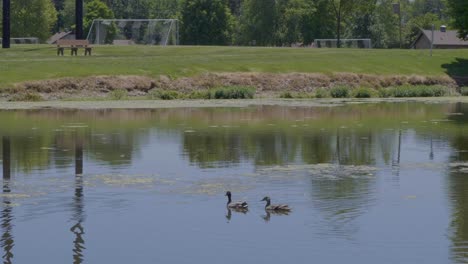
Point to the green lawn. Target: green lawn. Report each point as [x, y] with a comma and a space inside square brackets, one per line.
[38, 62]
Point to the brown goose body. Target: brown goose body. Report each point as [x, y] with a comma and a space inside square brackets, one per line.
[275, 207]
[238, 205]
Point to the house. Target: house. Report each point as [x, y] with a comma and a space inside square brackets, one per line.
[443, 39]
[61, 35]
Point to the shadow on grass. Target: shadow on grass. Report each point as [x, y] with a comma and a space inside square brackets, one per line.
[458, 71]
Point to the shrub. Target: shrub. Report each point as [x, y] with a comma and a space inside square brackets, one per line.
[286, 95]
[385, 92]
[363, 92]
[27, 97]
[322, 93]
[418, 91]
[298, 95]
[339, 92]
[233, 92]
[164, 94]
[200, 95]
[464, 91]
[119, 94]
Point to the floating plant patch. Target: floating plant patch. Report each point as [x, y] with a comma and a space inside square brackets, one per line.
[459, 167]
[324, 170]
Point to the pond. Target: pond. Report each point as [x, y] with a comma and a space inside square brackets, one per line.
[367, 183]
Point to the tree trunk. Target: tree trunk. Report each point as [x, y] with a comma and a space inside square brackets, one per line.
[338, 32]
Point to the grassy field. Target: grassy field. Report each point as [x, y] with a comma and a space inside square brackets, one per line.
[39, 62]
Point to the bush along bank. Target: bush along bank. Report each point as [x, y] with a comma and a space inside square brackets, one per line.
[234, 86]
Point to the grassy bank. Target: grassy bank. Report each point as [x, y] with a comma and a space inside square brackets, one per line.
[38, 62]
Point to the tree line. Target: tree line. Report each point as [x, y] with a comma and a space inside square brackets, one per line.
[255, 22]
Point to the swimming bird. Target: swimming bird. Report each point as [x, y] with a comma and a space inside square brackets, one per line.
[239, 205]
[275, 208]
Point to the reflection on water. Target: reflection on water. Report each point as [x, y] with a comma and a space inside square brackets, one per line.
[78, 210]
[7, 241]
[458, 186]
[361, 178]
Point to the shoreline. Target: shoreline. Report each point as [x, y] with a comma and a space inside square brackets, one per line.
[239, 103]
[267, 85]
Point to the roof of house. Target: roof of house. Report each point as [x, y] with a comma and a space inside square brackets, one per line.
[450, 37]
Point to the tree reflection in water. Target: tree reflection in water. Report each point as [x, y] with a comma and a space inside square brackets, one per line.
[458, 187]
[78, 212]
[7, 240]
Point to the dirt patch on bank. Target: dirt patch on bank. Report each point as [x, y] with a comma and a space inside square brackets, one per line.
[265, 83]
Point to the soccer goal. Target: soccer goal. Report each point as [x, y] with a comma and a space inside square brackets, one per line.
[345, 43]
[134, 31]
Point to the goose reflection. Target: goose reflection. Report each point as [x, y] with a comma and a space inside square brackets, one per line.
[266, 217]
[78, 209]
[229, 212]
[7, 240]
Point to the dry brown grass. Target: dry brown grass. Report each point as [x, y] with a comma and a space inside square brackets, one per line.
[265, 83]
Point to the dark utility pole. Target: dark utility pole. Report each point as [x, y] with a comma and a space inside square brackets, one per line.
[79, 19]
[6, 24]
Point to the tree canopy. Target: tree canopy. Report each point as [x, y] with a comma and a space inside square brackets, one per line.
[459, 12]
[254, 22]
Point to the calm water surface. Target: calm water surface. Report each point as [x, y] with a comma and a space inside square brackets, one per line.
[370, 183]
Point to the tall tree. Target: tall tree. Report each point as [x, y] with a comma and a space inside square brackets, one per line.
[32, 18]
[206, 22]
[95, 9]
[258, 22]
[459, 12]
[341, 10]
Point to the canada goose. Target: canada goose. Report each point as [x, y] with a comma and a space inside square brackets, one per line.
[279, 208]
[239, 205]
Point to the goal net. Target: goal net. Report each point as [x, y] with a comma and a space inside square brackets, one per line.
[134, 31]
[345, 43]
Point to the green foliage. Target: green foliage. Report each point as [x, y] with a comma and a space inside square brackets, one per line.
[119, 94]
[258, 23]
[339, 92]
[459, 12]
[363, 92]
[206, 22]
[414, 91]
[233, 92]
[286, 95]
[32, 18]
[464, 91]
[27, 97]
[297, 95]
[322, 93]
[96, 9]
[206, 94]
[164, 94]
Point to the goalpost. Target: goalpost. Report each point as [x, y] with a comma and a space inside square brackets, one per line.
[134, 31]
[345, 43]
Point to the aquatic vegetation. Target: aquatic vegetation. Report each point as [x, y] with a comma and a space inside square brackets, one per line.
[27, 96]
[464, 91]
[340, 91]
[324, 170]
[363, 92]
[322, 93]
[119, 94]
[232, 92]
[414, 91]
[125, 180]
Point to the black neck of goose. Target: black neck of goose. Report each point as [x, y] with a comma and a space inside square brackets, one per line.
[268, 203]
[229, 199]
